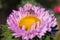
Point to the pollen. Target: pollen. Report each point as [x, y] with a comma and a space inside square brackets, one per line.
[28, 21]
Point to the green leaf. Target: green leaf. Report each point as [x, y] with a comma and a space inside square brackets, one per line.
[0, 4]
[4, 27]
[7, 33]
[23, 2]
[47, 38]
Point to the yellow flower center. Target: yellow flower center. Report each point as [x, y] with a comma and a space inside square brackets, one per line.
[28, 21]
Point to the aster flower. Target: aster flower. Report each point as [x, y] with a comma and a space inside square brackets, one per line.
[30, 21]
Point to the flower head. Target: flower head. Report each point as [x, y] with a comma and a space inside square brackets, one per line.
[30, 21]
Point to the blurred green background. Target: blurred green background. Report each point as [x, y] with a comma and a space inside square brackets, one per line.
[6, 7]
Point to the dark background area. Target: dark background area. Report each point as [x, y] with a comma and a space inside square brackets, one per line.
[7, 7]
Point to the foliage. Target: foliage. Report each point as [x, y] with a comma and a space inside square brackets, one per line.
[7, 34]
